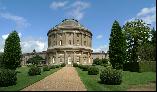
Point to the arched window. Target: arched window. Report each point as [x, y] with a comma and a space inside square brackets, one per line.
[84, 42]
[70, 42]
[60, 42]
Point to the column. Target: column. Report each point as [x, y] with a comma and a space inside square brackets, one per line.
[65, 57]
[74, 41]
[88, 58]
[56, 61]
[74, 58]
[81, 58]
[81, 39]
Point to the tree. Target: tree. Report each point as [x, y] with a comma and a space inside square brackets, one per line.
[153, 40]
[137, 33]
[117, 45]
[12, 51]
[35, 60]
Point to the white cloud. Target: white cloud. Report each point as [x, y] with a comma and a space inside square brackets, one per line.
[56, 5]
[5, 36]
[146, 11]
[19, 21]
[76, 9]
[73, 10]
[30, 44]
[147, 14]
[104, 48]
[99, 36]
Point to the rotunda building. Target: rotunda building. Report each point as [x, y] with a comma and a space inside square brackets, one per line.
[69, 42]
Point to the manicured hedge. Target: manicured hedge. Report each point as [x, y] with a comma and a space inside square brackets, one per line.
[92, 70]
[63, 65]
[142, 66]
[7, 77]
[111, 76]
[34, 70]
[131, 66]
[147, 66]
[46, 68]
[75, 65]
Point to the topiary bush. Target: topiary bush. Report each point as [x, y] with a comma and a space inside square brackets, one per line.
[111, 76]
[34, 71]
[57, 66]
[75, 65]
[52, 67]
[46, 68]
[85, 67]
[63, 65]
[93, 70]
[80, 66]
[7, 77]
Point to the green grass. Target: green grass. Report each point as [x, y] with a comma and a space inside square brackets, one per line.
[24, 80]
[92, 82]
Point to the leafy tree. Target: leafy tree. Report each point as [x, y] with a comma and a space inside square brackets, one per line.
[1, 58]
[12, 51]
[35, 60]
[117, 46]
[137, 33]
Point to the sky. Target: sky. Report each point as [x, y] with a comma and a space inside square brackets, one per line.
[32, 19]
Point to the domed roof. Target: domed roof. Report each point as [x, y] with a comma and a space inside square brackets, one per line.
[69, 24]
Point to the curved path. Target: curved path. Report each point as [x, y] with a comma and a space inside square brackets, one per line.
[65, 79]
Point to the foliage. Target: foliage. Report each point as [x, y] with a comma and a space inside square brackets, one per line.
[85, 67]
[111, 76]
[93, 70]
[57, 66]
[52, 67]
[24, 80]
[7, 77]
[46, 68]
[34, 71]
[117, 46]
[35, 60]
[137, 33]
[75, 65]
[92, 83]
[80, 66]
[131, 66]
[141, 66]
[97, 61]
[1, 58]
[12, 51]
[63, 65]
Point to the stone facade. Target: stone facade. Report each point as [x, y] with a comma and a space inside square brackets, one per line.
[69, 42]
[43, 54]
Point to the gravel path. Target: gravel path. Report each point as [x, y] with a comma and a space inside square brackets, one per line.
[65, 79]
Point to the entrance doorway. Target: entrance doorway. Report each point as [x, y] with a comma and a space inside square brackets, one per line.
[69, 60]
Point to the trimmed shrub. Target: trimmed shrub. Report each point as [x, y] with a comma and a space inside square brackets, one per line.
[63, 65]
[147, 66]
[85, 67]
[46, 68]
[80, 66]
[75, 65]
[111, 76]
[57, 66]
[93, 64]
[97, 61]
[93, 70]
[34, 71]
[131, 66]
[52, 67]
[7, 77]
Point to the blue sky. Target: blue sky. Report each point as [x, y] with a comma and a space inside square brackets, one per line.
[33, 18]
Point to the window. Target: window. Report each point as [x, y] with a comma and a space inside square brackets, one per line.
[77, 35]
[84, 35]
[60, 42]
[54, 43]
[84, 42]
[69, 34]
[70, 42]
[77, 42]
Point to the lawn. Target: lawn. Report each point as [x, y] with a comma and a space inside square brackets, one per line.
[24, 80]
[92, 82]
